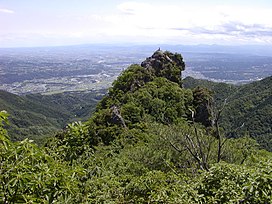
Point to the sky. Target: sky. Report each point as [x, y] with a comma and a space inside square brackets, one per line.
[29, 23]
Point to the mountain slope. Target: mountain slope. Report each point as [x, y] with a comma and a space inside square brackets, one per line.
[251, 106]
[37, 116]
[150, 92]
[248, 108]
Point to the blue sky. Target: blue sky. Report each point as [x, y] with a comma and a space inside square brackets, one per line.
[26, 23]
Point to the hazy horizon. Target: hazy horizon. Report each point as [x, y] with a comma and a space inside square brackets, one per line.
[128, 44]
[39, 23]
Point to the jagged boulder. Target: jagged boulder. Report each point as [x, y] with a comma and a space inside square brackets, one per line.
[203, 103]
[161, 64]
[116, 116]
[165, 64]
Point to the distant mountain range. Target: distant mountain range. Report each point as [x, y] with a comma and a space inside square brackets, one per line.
[262, 50]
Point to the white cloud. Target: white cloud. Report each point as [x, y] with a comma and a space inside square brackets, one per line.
[133, 8]
[173, 21]
[3, 10]
[151, 22]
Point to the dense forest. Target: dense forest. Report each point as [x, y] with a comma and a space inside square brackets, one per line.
[154, 138]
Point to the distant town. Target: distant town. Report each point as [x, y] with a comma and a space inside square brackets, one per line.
[84, 68]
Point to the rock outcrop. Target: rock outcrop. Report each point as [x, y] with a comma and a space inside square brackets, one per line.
[165, 64]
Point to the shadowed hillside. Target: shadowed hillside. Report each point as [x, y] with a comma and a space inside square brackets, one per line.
[248, 109]
[37, 116]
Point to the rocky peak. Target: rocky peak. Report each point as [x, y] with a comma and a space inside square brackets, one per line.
[165, 64]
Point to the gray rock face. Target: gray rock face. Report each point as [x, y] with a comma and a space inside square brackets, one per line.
[165, 64]
[116, 116]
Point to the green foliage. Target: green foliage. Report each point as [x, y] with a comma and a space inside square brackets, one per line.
[164, 106]
[156, 187]
[74, 144]
[226, 183]
[3, 120]
[131, 79]
[29, 175]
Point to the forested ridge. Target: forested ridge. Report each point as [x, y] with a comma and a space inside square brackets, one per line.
[150, 140]
[38, 116]
[248, 108]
